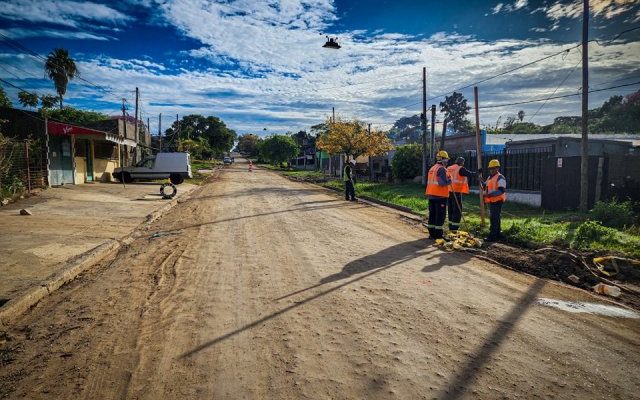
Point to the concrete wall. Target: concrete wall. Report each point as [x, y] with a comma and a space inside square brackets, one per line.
[529, 198]
[100, 167]
[81, 170]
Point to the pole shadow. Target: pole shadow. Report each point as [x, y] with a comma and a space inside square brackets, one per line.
[459, 385]
[368, 266]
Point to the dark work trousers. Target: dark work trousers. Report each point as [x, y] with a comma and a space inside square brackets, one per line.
[455, 210]
[437, 215]
[349, 191]
[494, 217]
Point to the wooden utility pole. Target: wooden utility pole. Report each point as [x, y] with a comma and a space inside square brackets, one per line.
[424, 126]
[160, 130]
[584, 148]
[433, 130]
[370, 160]
[444, 131]
[135, 129]
[333, 120]
[479, 155]
[124, 125]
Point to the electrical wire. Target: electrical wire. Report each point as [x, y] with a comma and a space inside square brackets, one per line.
[554, 92]
[557, 97]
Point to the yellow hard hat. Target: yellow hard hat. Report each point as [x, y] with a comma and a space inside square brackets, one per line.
[494, 163]
[442, 155]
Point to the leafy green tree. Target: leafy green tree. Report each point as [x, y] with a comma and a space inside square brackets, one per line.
[28, 99]
[457, 109]
[248, 144]
[75, 116]
[60, 68]
[48, 101]
[4, 99]
[407, 161]
[278, 149]
[407, 128]
[521, 115]
[219, 138]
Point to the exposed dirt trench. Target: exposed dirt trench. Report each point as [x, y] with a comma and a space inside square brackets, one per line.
[259, 287]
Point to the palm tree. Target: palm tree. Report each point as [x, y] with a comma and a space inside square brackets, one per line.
[60, 68]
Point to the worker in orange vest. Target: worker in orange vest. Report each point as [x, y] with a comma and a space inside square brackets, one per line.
[495, 194]
[459, 186]
[437, 191]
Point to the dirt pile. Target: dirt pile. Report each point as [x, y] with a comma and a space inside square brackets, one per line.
[564, 266]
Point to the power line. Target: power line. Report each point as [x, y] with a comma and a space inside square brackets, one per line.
[554, 92]
[558, 97]
[565, 51]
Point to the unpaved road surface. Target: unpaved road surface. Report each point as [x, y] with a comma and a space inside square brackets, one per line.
[258, 287]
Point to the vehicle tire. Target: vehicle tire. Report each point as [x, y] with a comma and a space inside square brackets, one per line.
[127, 177]
[168, 194]
[176, 179]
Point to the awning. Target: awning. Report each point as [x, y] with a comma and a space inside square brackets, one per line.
[60, 128]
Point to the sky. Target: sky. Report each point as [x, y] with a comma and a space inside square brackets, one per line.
[260, 65]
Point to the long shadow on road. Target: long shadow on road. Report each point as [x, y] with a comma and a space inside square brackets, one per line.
[371, 264]
[460, 383]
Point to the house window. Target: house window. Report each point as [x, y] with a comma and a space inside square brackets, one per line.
[81, 148]
[105, 150]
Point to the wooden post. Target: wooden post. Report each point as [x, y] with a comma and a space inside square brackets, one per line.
[584, 148]
[423, 179]
[444, 131]
[26, 149]
[433, 130]
[370, 160]
[479, 155]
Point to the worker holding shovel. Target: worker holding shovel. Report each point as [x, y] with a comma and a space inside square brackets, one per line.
[459, 186]
[437, 191]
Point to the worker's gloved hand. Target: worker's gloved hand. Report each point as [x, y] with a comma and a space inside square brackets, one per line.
[479, 171]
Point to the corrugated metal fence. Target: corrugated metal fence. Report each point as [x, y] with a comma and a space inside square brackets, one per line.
[23, 166]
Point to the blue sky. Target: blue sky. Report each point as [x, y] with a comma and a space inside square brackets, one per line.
[260, 64]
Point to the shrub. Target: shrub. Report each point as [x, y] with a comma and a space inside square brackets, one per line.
[614, 213]
[407, 161]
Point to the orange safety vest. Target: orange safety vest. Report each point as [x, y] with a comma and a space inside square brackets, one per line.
[459, 184]
[433, 189]
[492, 185]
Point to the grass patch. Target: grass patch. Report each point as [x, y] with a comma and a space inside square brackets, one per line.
[199, 178]
[521, 224]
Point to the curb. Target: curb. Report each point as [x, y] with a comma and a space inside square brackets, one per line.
[70, 269]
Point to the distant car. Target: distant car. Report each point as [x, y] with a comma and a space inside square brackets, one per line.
[227, 161]
[175, 166]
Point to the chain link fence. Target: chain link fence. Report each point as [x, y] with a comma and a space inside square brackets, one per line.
[23, 166]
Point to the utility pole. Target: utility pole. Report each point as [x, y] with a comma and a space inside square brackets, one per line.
[124, 124]
[444, 131]
[479, 155]
[584, 148]
[433, 129]
[333, 120]
[370, 160]
[148, 128]
[160, 130]
[135, 129]
[424, 126]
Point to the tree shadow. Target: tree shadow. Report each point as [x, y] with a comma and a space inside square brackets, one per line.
[366, 266]
[458, 386]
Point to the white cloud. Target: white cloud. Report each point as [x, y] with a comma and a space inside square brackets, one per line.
[607, 9]
[19, 33]
[63, 12]
[507, 8]
[497, 8]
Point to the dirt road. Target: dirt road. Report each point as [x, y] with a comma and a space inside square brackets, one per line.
[258, 287]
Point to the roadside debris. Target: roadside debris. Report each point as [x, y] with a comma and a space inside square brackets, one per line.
[459, 240]
[25, 211]
[609, 290]
[574, 279]
[611, 265]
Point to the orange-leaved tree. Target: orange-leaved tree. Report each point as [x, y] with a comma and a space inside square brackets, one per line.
[353, 139]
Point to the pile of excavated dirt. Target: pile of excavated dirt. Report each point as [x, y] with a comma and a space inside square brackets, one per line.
[560, 265]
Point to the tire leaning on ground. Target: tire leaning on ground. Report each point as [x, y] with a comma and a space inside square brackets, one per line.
[168, 194]
[176, 179]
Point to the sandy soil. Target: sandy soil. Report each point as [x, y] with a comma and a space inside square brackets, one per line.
[259, 287]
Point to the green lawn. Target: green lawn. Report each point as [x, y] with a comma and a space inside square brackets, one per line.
[521, 224]
[198, 178]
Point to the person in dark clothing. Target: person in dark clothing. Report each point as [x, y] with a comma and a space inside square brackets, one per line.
[459, 186]
[347, 177]
[437, 191]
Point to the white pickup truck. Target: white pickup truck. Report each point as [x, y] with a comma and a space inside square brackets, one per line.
[175, 166]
